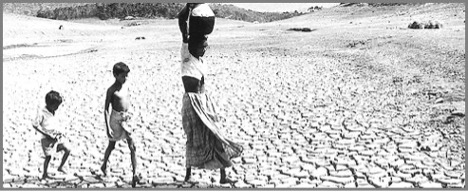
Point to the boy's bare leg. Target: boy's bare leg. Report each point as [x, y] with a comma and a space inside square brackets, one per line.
[109, 149]
[188, 173]
[46, 164]
[132, 148]
[61, 147]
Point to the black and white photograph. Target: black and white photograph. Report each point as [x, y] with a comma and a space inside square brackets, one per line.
[224, 96]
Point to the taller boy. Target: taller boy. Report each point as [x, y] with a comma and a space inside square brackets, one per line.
[117, 95]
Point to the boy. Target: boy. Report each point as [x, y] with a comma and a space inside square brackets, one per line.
[46, 124]
[117, 96]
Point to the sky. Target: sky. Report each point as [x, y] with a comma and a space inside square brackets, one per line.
[281, 7]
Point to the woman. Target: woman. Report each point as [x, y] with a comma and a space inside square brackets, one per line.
[206, 146]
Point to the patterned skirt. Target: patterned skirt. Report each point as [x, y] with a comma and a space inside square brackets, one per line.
[206, 146]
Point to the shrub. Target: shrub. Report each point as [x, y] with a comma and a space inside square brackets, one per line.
[428, 25]
[305, 29]
[433, 25]
[416, 25]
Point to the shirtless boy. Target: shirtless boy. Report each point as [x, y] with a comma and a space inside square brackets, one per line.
[117, 96]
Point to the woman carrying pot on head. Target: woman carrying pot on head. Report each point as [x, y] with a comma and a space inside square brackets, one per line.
[206, 146]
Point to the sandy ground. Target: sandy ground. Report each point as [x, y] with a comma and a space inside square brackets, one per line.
[361, 101]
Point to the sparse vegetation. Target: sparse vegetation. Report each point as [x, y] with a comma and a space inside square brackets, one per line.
[422, 25]
[144, 10]
[314, 8]
[374, 4]
[113, 10]
[236, 13]
[416, 25]
[305, 29]
[31, 9]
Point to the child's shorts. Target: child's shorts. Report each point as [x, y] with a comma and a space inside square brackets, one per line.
[51, 146]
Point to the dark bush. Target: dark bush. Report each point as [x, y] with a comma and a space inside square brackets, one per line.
[428, 25]
[433, 25]
[416, 25]
[306, 29]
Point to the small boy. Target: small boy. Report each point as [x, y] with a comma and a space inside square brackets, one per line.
[47, 124]
[117, 96]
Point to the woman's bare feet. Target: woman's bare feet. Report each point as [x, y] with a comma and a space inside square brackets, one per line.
[45, 176]
[227, 180]
[135, 180]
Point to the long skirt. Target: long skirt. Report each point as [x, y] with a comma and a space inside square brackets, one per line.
[206, 146]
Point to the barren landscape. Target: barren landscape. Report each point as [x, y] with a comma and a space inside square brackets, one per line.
[359, 101]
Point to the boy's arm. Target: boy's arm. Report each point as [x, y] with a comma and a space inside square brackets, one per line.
[36, 123]
[106, 110]
[42, 132]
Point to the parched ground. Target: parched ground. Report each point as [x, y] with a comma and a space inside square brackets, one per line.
[360, 102]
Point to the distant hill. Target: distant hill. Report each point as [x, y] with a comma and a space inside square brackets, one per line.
[31, 9]
[236, 13]
[67, 11]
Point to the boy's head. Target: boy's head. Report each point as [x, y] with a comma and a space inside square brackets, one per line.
[53, 100]
[120, 72]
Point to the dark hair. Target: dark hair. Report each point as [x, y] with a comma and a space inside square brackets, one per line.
[53, 97]
[119, 68]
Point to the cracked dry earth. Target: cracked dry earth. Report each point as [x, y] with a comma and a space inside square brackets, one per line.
[309, 115]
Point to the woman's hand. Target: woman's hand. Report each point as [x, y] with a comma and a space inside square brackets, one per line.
[108, 132]
[184, 38]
